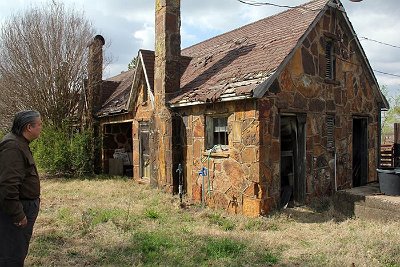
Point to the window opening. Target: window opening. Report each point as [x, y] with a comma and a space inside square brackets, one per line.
[220, 131]
[217, 131]
[330, 61]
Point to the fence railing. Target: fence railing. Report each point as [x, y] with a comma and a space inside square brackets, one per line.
[387, 158]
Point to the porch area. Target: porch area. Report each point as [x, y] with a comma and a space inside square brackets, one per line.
[366, 202]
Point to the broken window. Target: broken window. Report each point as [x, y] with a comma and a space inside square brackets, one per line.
[330, 61]
[330, 131]
[217, 131]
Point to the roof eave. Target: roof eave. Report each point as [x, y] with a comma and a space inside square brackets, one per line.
[113, 113]
[222, 99]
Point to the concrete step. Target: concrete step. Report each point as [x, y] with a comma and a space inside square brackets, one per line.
[366, 202]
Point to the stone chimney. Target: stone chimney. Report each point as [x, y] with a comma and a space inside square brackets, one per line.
[95, 73]
[166, 84]
[94, 95]
[167, 49]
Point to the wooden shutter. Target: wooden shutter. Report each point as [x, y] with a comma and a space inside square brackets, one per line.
[330, 131]
[209, 132]
[330, 61]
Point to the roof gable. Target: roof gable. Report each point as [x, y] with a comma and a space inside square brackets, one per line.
[123, 85]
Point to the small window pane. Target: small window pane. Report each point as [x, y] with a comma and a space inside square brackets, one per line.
[219, 132]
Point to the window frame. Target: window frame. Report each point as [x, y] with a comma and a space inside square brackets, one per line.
[210, 131]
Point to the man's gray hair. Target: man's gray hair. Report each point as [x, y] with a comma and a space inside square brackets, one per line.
[22, 119]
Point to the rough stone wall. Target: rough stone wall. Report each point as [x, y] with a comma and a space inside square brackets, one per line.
[269, 152]
[233, 174]
[303, 88]
[166, 84]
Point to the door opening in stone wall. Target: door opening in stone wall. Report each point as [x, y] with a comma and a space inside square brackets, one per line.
[144, 156]
[117, 147]
[292, 164]
[360, 151]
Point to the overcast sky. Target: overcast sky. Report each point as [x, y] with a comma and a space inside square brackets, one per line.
[128, 25]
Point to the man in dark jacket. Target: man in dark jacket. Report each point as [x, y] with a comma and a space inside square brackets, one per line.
[19, 188]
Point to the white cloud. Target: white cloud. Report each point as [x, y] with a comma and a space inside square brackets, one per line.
[146, 36]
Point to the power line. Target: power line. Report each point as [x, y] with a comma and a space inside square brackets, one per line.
[387, 73]
[378, 71]
[264, 4]
[253, 3]
[379, 42]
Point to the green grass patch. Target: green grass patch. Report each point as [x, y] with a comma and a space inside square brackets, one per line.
[94, 216]
[152, 214]
[269, 258]
[47, 243]
[65, 215]
[153, 247]
[223, 222]
[224, 248]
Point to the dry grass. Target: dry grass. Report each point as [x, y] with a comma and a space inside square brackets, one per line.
[116, 222]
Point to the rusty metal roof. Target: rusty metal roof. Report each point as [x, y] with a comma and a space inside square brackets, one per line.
[235, 63]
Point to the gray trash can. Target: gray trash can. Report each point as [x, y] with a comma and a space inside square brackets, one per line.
[389, 181]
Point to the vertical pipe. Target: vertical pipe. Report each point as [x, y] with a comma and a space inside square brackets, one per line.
[335, 172]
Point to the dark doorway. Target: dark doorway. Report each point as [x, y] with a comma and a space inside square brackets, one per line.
[360, 151]
[117, 147]
[292, 159]
[144, 155]
[178, 147]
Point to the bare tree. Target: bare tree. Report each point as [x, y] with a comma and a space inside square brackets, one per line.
[43, 61]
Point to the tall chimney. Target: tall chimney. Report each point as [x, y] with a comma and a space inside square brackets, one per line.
[95, 73]
[166, 84]
[168, 49]
[93, 93]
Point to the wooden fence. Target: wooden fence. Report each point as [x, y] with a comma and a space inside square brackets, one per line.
[387, 158]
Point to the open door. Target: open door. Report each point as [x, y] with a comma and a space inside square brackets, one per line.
[360, 151]
[144, 150]
[293, 152]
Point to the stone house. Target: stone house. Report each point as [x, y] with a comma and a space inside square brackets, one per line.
[112, 103]
[285, 109]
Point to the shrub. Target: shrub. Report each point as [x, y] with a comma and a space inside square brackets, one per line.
[51, 150]
[59, 150]
[81, 155]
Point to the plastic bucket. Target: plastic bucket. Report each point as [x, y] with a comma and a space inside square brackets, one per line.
[389, 181]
